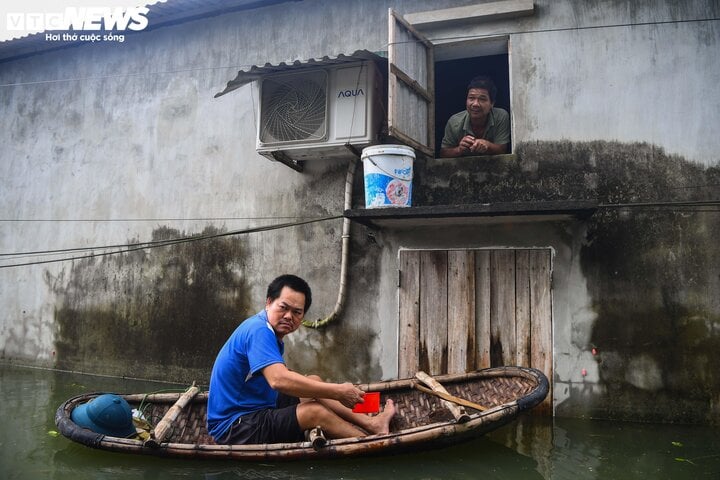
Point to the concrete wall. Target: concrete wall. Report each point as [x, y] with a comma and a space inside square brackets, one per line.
[610, 70]
[616, 101]
[634, 307]
[118, 143]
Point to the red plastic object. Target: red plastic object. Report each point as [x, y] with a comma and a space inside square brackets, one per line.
[370, 404]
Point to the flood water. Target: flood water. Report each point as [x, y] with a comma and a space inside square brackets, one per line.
[533, 448]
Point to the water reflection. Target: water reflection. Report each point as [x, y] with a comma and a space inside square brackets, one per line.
[535, 448]
[582, 449]
[464, 461]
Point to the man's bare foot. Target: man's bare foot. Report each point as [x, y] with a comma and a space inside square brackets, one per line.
[381, 421]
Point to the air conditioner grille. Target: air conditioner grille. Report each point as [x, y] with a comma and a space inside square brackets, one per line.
[294, 107]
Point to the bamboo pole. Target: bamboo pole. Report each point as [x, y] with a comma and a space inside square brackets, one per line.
[157, 436]
[457, 411]
[317, 438]
[160, 397]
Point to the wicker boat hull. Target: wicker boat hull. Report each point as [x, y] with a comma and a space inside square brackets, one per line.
[422, 421]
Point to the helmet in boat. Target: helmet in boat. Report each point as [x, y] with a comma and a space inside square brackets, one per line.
[107, 414]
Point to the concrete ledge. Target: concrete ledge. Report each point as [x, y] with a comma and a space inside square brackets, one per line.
[472, 214]
[471, 14]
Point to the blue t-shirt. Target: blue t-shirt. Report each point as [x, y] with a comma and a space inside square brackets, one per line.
[236, 385]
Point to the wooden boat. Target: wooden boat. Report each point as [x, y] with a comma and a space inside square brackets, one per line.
[431, 412]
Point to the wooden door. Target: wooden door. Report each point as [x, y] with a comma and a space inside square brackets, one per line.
[462, 310]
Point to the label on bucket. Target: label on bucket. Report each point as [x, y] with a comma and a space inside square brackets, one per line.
[382, 190]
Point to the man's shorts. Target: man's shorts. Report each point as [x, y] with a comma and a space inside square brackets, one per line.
[272, 425]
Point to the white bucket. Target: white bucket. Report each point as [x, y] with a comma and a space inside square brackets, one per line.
[388, 173]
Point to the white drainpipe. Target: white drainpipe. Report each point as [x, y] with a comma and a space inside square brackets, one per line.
[349, 178]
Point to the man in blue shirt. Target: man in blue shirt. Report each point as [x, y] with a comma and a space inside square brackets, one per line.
[480, 129]
[255, 398]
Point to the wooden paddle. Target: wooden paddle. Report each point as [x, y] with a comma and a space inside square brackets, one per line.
[157, 436]
[439, 391]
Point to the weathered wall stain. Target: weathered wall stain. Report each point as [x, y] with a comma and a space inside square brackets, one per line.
[344, 351]
[607, 171]
[652, 273]
[159, 313]
[654, 277]
[339, 352]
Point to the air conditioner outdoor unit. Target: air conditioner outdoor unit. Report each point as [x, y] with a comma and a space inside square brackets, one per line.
[316, 112]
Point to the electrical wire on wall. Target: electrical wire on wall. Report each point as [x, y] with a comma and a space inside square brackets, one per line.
[131, 247]
[71, 254]
[378, 49]
[79, 253]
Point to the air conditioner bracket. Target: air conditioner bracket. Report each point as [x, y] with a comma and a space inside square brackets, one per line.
[281, 157]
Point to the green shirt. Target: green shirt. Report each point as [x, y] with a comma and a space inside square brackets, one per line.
[496, 131]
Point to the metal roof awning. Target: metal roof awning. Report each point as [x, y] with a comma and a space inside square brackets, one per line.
[256, 72]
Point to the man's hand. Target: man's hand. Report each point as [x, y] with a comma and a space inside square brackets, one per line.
[480, 146]
[348, 395]
[474, 145]
[467, 143]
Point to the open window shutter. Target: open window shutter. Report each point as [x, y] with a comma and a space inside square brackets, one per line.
[411, 86]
